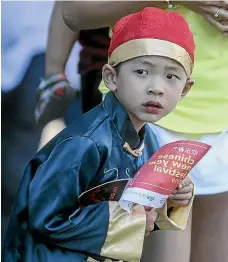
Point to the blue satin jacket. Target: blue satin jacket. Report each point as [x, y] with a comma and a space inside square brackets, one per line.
[46, 222]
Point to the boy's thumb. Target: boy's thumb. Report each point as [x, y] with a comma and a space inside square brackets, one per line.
[154, 215]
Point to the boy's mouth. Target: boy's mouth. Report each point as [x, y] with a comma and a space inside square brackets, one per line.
[153, 107]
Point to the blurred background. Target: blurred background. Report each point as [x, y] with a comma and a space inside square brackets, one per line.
[24, 26]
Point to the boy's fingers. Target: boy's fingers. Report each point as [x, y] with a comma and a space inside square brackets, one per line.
[186, 182]
[151, 218]
[178, 203]
[179, 187]
[154, 215]
[185, 196]
[184, 190]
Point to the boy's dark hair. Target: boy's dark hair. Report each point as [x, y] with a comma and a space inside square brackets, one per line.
[117, 69]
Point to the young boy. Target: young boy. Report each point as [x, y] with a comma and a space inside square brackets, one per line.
[151, 57]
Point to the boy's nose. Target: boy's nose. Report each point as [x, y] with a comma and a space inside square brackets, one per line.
[155, 90]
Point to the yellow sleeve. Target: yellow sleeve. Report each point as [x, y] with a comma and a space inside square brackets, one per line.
[126, 233]
[177, 219]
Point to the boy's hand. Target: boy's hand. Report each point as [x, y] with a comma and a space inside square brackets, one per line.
[182, 195]
[151, 217]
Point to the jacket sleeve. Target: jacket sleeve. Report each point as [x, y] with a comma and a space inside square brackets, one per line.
[54, 212]
[177, 219]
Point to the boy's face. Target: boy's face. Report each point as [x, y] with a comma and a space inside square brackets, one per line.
[149, 87]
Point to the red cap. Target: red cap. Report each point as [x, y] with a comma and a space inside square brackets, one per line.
[152, 31]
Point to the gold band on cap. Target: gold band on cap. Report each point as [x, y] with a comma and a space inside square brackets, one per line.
[143, 47]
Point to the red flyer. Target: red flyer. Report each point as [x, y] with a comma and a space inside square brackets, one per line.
[163, 172]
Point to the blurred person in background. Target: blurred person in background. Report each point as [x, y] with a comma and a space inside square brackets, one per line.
[199, 117]
[24, 38]
[93, 56]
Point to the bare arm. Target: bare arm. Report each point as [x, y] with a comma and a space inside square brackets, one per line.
[80, 15]
[60, 42]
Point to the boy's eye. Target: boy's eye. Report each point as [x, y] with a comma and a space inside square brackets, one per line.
[171, 76]
[142, 72]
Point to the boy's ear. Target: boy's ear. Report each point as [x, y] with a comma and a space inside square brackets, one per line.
[110, 77]
[187, 87]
